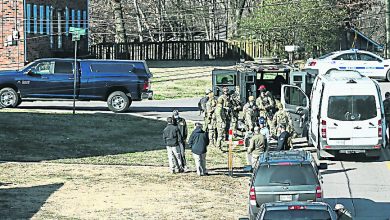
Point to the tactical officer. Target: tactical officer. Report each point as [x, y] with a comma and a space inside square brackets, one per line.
[256, 146]
[264, 102]
[250, 115]
[236, 107]
[210, 119]
[227, 107]
[342, 212]
[283, 138]
[202, 102]
[281, 117]
[221, 119]
[386, 104]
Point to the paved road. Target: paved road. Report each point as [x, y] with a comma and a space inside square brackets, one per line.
[363, 186]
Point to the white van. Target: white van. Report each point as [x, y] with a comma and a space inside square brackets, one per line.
[346, 113]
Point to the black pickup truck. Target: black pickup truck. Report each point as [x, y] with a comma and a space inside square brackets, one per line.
[119, 82]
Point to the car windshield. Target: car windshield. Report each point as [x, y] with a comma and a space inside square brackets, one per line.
[326, 55]
[297, 215]
[352, 108]
[281, 175]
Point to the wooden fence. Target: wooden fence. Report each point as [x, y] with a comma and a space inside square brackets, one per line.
[181, 50]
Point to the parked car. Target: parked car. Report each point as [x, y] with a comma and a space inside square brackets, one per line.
[346, 113]
[119, 82]
[296, 211]
[284, 176]
[367, 63]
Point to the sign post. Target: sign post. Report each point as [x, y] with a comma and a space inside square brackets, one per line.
[76, 33]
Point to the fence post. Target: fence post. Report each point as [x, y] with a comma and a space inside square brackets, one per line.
[202, 50]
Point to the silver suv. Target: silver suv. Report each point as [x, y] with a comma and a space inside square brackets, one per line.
[285, 176]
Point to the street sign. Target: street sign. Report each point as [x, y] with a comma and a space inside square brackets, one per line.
[75, 37]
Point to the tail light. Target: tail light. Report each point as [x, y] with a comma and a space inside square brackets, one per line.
[296, 207]
[323, 129]
[313, 63]
[318, 192]
[252, 196]
[379, 128]
[146, 85]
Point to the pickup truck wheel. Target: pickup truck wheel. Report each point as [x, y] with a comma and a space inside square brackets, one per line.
[118, 102]
[9, 98]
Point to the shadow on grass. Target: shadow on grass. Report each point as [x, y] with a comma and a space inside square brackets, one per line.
[38, 137]
[25, 202]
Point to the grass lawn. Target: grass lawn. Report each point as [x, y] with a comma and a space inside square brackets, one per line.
[89, 139]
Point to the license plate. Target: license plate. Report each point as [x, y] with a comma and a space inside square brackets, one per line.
[285, 198]
[339, 142]
[352, 151]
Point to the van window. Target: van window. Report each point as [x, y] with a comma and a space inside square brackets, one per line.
[352, 108]
[112, 68]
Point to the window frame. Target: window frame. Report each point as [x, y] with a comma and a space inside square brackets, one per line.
[35, 17]
[28, 18]
[41, 18]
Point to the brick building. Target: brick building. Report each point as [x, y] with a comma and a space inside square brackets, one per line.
[32, 29]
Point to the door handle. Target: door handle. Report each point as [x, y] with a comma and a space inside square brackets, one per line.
[357, 127]
[71, 78]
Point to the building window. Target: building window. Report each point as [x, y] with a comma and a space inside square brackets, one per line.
[85, 19]
[78, 18]
[67, 21]
[73, 17]
[35, 19]
[48, 20]
[28, 18]
[41, 19]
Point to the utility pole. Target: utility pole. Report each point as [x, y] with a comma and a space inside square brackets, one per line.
[387, 49]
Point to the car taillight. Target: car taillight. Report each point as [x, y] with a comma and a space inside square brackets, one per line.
[296, 207]
[252, 196]
[312, 63]
[318, 192]
[323, 129]
[380, 128]
[146, 85]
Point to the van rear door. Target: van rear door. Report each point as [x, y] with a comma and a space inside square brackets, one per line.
[296, 102]
[337, 124]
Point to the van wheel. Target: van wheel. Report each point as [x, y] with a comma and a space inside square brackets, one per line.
[118, 102]
[9, 98]
[388, 75]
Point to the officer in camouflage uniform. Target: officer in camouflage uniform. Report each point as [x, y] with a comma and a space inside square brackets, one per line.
[227, 106]
[221, 119]
[236, 107]
[210, 118]
[386, 104]
[250, 115]
[265, 103]
[282, 117]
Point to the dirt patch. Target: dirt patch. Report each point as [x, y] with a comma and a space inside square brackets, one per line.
[117, 192]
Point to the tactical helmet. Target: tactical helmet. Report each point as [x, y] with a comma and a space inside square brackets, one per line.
[225, 89]
[262, 88]
[211, 95]
[262, 120]
[207, 91]
[279, 105]
[251, 98]
[387, 94]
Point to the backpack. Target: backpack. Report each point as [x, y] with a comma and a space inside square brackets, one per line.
[202, 104]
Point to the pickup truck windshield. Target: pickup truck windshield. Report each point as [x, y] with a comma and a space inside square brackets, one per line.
[352, 108]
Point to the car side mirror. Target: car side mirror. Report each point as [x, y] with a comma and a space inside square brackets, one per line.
[323, 166]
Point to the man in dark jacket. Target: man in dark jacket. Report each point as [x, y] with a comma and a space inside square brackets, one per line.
[199, 140]
[386, 104]
[182, 125]
[172, 138]
[283, 138]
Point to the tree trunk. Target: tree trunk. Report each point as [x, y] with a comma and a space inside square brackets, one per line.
[140, 38]
[120, 31]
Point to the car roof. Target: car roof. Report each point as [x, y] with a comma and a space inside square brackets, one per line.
[286, 205]
[337, 53]
[290, 156]
[340, 79]
[92, 60]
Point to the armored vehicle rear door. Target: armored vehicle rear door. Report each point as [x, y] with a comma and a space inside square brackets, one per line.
[247, 85]
[224, 78]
